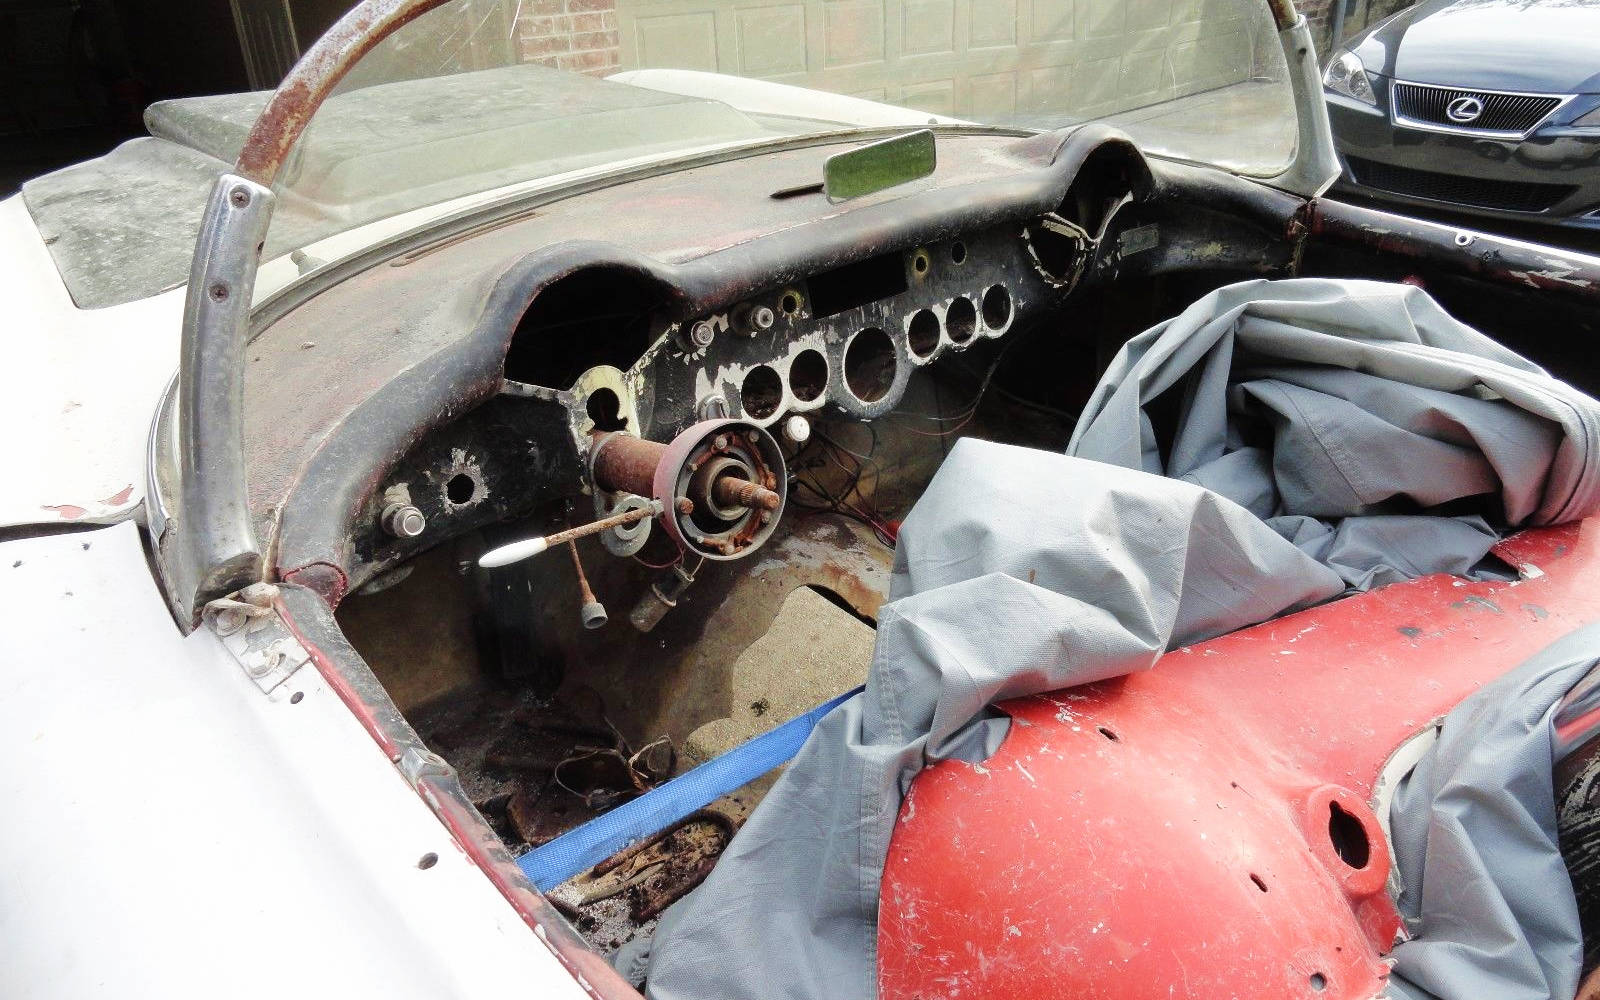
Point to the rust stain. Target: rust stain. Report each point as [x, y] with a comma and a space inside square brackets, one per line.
[69, 511]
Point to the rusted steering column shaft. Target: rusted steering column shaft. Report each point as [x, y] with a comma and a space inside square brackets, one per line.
[624, 463]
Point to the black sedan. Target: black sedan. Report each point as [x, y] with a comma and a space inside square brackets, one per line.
[1490, 107]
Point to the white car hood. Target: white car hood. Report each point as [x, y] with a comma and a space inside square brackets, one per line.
[77, 390]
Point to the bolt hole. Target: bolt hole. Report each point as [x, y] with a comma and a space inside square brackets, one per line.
[1109, 734]
[961, 319]
[923, 335]
[460, 489]
[1319, 982]
[958, 252]
[605, 410]
[919, 263]
[1260, 884]
[1349, 837]
[869, 365]
[762, 392]
[996, 307]
[427, 861]
[294, 699]
[790, 303]
[808, 375]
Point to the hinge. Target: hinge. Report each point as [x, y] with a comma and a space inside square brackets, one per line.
[255, 636]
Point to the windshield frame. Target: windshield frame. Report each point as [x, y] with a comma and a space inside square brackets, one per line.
[209, 547]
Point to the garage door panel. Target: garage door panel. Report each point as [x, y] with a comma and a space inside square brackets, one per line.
[967, 58]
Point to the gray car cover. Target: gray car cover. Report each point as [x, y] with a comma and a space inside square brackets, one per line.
[1328, 436]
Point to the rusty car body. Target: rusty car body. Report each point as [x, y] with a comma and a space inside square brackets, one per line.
[273, 721]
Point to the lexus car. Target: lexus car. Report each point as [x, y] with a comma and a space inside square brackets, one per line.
[1489, 107]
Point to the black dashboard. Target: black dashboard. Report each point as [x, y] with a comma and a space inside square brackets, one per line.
[522, 368]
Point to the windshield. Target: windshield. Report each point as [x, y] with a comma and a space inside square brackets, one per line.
[480, 94]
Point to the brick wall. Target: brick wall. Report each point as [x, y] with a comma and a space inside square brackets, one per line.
[1360, 14]
[579, 35]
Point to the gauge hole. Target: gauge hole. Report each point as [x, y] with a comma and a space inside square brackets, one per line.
[1349, 837]
[961, 319]
[919, 262]
[762, 392]
[460, 489]
[996, 307]
[808, 375]
[790, 303]
[923, 334]
[605, 410]
[958, 252]
[869, 365]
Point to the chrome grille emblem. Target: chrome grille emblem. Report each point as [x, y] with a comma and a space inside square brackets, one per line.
[1465, 109]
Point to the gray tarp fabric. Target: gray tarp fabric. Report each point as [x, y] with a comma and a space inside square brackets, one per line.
[1319, 422]
[1484, 888]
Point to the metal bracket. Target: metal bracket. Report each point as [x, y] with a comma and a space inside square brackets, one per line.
[255, 636]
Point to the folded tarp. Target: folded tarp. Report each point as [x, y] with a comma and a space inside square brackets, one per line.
[1338, 435]
[1357, 418]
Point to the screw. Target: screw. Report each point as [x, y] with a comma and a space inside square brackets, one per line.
[239, 196]
[720, 442]
[702, 334]
[229, 621]
[402, 520]
[261, 664]
[219, 292]
[752, 320]
[685, 506]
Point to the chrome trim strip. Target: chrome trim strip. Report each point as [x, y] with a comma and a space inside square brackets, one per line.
[1395, 118]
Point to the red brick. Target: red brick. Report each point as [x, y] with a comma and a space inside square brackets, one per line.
[546, 45]
[592, 21]
[578, 6]
[587, 61]
[591, 40]
[533, 27]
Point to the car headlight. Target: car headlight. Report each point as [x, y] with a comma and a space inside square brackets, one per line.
[1347, 76]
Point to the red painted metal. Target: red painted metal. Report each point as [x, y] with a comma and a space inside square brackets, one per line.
[1168, 834]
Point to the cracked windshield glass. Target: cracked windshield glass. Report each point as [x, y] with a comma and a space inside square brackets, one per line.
[479, 95]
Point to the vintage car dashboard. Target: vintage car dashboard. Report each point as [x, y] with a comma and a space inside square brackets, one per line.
[503, 377]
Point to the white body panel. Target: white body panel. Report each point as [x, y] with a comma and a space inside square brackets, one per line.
[77, 388]
[172, 832]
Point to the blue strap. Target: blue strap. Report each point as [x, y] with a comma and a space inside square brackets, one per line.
[581, 848]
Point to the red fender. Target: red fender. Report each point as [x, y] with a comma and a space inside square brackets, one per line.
[1206, 828]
